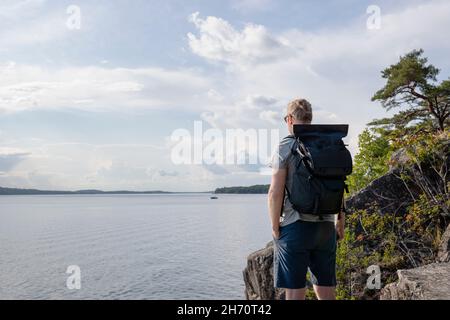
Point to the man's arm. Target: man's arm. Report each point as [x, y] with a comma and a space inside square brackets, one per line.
[276, 198]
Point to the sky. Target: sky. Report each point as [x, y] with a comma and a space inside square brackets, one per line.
[91, 92]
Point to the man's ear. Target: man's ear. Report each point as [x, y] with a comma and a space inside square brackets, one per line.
[290, 120]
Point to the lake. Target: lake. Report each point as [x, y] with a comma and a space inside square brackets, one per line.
[171, 246]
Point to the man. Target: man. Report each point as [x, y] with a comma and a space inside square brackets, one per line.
[301, 241]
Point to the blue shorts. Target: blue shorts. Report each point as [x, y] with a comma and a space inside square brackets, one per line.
[302, 245]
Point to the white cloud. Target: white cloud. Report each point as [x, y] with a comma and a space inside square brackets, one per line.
[261, 101]
[218, 40]
[10, 158]
[337, 70]
[73, 166]
[24, 87]
[215, 95]
[11, 9]
[271, 116]
[29, 22]
[243, 112]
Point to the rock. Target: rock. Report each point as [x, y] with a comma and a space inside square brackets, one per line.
[444, 248]
[386, 194]
[429, 282]
[258, 276]
[399, 158]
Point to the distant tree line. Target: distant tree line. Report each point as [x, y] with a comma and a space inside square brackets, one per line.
[257, 189]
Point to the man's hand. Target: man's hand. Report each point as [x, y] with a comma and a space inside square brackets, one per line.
[276, 232]
[340, 228]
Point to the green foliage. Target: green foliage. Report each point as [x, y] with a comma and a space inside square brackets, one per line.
[409, 238]
[371, 161]
[370, 239]
[426, 165]
[348, 256]
[423, 146]
[411, 83]
[411, 70]
[390, 241]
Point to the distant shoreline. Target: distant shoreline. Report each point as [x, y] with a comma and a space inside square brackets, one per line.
[255, 189]
[18, 191]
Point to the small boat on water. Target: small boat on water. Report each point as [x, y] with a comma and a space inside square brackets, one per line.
[213, 197]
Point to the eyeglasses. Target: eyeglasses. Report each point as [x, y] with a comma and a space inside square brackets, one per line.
[286, 117]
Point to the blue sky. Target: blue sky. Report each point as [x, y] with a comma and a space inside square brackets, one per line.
[95, 107]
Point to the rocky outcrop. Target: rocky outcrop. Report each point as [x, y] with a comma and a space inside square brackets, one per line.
[429, 282]
[386, 194]
[258, 276]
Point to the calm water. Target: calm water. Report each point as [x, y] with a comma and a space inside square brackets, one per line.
[129, 246]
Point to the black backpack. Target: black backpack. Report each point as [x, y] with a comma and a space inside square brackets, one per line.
[322, 164]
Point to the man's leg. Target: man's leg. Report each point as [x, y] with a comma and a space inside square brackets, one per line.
[295, 294]
[323, 261]
[291, 261]
[325, 293]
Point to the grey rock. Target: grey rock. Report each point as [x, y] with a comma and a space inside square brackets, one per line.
[386, 194]
[429, 282]
[258, 276]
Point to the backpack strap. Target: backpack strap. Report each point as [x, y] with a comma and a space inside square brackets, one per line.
[298, 148]
[282, 203]
[343, 202]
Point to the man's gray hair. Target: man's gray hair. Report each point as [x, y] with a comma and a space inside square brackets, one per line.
[301, 110]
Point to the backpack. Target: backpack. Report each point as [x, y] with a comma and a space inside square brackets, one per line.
[322, 164]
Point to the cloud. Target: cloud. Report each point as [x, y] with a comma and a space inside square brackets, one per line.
[164, 173]
[250, 111]
[256, 71]
[24, 87]
[216, 169]
[74, 166]
[29, 22]
[270, 116]
[11, 9]
[10, 158]
[261, 101]
[338, 70]
[218, 40]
